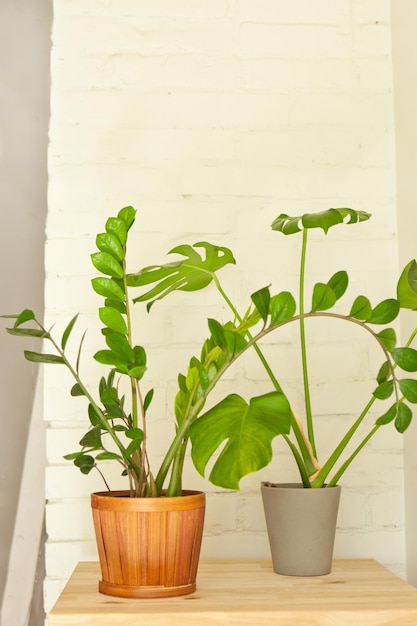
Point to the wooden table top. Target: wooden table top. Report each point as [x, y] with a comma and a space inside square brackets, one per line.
[358, 592]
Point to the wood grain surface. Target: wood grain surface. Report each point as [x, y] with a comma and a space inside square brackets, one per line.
[358, 592]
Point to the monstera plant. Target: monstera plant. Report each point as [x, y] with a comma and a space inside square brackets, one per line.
[238, 432]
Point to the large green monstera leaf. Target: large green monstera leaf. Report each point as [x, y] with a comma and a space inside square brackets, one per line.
[246, 430]
[192, 273]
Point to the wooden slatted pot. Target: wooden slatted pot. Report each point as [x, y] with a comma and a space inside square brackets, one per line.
[148, 547]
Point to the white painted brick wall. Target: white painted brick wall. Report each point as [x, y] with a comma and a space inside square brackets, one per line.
[211, 118]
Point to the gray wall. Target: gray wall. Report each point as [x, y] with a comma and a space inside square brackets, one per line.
[25, 27]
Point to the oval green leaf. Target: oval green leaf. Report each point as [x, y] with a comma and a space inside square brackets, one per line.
[108, 288]
[107, 264]
[408, 388]
[384, 372]
[407, 286]
[282, 308]
[384, 390]
[323, 297]
[113, 319]
[339, 283]
[387, 417]
[106, 242]
[406, 358]
[117, 226]
[361, 309]
[388, 338]
[404, 417]
[385, 312]
[261, 300]
[128, 215]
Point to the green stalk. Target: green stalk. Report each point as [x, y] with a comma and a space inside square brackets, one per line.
[348, 461]
[129, 338]
[334, 457]
[175, 483]
[89, 397]
[300, 462]
[307, 399]
[307, 465]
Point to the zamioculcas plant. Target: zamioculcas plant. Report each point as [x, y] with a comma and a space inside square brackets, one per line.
[242, 429]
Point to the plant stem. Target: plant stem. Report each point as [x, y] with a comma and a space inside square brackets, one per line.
[334, 457]
[307, 399]
[348, 461]
[307, 466]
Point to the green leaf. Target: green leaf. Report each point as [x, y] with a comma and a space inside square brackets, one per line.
[406, 358]
[282, 308]
[92, 439]
[92, 415]
[384, 390]
[323, 297]
[404, 417]
[108, 456]
[339, 283]
[27, 332]
[117, 227]
[246, 432]
[113, 319]
[384, 372]
[67, 332]
[361, 309]
[25, 316]
[85, 462]
[190, 274]
[133, 447]
[217, 333]
[107, 264]
[128, 215]
[324, 220]
[106, 242]
[384, 312]
[140, 355]
[261, 300]
[388, 338]
[407, 286]
[77, 364]
[115, 304]
[107, 357]
[37, 357]
[76, 390]
[134, 433]
[387, 417]
[120, 346]
[108, 288]
[148, 399]
[408, 388]
[137, 371]
[109, 396]
[230, 341]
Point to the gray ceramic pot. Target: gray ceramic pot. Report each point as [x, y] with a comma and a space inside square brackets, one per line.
[301, 525]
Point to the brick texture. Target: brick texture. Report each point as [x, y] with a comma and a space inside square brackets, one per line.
[211, 118]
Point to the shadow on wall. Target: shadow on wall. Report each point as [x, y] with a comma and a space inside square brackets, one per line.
[24, 117]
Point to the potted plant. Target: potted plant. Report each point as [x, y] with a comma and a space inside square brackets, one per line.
[117, 416]
[149, 535]
[308, 509]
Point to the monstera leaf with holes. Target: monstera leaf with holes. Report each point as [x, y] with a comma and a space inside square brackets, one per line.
[236, 436]
[190, 274]
[246, 430]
